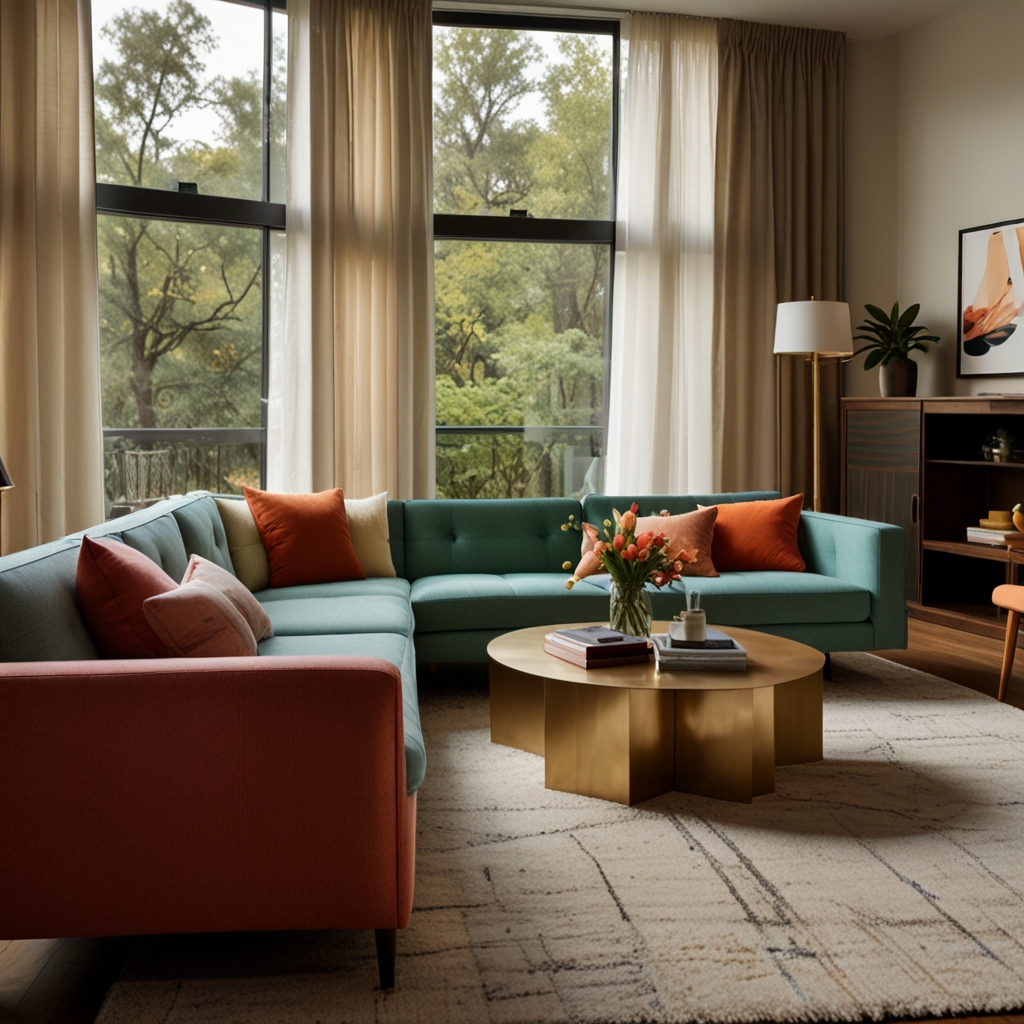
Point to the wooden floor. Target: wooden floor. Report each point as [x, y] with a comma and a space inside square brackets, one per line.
[64, 981]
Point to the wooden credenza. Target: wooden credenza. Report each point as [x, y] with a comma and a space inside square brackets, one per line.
[917, 463]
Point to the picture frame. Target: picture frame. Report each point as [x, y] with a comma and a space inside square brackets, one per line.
[990, 298]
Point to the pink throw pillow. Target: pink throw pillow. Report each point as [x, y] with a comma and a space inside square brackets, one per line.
[197, 621]
[684, 532]
[112, 582]
[203, 570]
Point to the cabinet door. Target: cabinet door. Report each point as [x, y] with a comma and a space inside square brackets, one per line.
[883, 475]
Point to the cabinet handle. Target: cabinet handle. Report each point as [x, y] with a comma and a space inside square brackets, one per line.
[915, 503]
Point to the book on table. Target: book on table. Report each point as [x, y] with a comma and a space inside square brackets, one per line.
[683, 659]
[714, 641]
[596, 646]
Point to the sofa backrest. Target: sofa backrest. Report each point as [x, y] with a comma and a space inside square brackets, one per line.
[598, 507]
[484, 536]
[39, 616]
[396, 535]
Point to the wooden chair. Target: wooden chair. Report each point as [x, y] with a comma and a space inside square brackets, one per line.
[1011, 598]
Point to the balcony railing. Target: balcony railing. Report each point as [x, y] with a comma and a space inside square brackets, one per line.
[145, 465]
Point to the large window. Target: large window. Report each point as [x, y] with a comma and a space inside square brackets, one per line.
[190, 185]
[524, 144]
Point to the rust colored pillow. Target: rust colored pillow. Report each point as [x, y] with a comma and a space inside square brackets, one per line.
[685, 531]
[306, 537]
[196, 620]
[112, 581]
[203, 570]
[751, 535]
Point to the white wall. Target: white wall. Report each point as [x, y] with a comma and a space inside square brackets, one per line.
[951, 91]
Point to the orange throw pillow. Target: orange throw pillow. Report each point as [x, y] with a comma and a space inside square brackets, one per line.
[752, 535]
[306, 537]
[686, 531]
[112, 581]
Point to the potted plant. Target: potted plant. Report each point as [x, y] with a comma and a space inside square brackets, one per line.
[890, 340]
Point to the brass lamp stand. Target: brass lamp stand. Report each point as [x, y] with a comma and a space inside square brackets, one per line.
[6, 483]
[820, 330]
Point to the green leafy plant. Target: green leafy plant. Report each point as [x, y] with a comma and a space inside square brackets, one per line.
[890, 335]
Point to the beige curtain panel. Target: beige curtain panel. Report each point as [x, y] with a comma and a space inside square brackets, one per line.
[778, 238]
[659, 435]
[50, 421]
[361, 255]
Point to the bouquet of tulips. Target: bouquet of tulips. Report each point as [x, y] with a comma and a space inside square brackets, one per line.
[633, 561]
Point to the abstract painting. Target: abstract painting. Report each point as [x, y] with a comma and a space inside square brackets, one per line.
[991, 297]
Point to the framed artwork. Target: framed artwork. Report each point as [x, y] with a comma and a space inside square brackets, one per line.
[990, 337]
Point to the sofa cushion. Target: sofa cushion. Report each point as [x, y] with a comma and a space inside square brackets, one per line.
[39, 615]
[497, 536]
[467, 601]
[393, 647]
[380, 587]
[763, 598]
[248, 557]
[159, 540]
[312, 616]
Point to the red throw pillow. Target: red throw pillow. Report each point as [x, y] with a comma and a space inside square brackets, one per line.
[197, 621]
[751, 535]
[306, 537]
[203, 570]
[112, 581]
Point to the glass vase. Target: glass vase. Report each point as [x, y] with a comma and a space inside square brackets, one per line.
[630, 609]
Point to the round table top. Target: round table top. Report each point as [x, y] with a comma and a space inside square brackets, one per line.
[770, 660]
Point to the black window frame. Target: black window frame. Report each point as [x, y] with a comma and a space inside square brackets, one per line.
[192, 208]
[556, 230]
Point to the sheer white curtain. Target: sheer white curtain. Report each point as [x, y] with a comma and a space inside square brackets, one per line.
[352, 367]
[50, 435]
[660, 414]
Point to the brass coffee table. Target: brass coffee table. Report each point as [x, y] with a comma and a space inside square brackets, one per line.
[629, 733]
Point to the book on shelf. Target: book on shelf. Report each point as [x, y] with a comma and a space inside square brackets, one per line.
[598, 643]
[580, 660]
[681, 659]
[996, 538]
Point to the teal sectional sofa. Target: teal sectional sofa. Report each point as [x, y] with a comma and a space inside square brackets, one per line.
[279, 791]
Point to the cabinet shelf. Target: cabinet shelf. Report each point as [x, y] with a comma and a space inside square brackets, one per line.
[991, 552]
[975, 462]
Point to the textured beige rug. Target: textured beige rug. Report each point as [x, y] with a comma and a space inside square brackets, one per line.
[888, 879]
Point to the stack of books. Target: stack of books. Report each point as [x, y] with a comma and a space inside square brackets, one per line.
[596, 647]
[718, 653]
[997, 538]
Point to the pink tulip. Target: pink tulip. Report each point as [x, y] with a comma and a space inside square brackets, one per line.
[643, 555]
[630, 553]
[628, 520]
[618, 542]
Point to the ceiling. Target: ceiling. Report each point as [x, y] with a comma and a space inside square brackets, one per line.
[859, 19]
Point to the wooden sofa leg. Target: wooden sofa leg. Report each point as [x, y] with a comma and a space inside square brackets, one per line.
[1009, 649]
[387, 944]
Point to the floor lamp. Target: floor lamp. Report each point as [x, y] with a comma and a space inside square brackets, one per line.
[6, 483]
[820, 330]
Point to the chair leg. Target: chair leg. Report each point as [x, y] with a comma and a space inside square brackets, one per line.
[1009, 649]
[387, 945]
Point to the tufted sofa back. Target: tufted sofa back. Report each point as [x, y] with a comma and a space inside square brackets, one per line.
[483, 536]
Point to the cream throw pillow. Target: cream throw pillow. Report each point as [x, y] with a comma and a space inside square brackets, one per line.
[367, 522]
[247, 553]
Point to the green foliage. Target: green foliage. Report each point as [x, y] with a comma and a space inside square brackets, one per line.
[180, 304]
[519, 326]
[891, 335]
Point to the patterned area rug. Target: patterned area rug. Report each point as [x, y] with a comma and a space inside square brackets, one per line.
[888, 879]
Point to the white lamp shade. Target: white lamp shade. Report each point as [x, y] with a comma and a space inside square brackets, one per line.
[805, 327]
